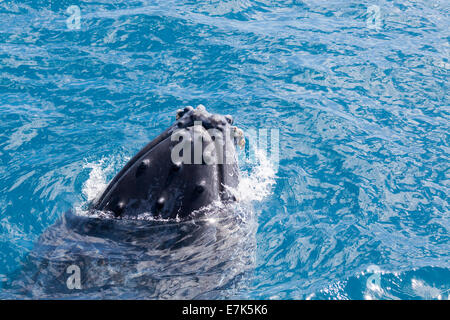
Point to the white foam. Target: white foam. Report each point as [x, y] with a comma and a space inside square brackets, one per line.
[425, 291]
[96, 182]
[256, 184]
[99, 175]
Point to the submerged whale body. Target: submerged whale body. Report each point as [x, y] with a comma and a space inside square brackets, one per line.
[202, 255]
[185, 168]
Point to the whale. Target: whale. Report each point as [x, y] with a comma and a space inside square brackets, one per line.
[187, 167]
[169, 225]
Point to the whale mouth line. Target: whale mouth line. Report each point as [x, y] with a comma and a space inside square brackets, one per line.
[196, 217]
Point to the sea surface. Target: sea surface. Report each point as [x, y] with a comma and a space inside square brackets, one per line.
[347, 199]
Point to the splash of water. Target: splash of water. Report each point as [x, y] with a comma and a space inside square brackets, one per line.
[99, 175]
[96, 182]
[256, 184]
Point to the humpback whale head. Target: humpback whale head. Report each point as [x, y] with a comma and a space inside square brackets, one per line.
[187, 167]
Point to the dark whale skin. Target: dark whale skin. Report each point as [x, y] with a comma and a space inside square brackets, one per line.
[152, 182]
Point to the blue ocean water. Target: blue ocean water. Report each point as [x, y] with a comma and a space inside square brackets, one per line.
[357, 205]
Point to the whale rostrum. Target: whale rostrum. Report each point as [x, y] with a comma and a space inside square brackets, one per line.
[188, 166]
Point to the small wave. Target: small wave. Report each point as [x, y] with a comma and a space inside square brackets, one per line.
[375, 283]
